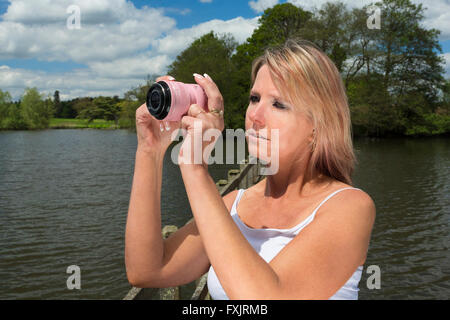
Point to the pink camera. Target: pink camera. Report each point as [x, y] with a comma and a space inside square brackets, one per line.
[170, 100]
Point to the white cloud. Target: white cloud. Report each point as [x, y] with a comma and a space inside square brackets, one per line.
[178, 40]
[260, 5]
[206, 1]
[136, 67]
[76, 83]
[109, 30]
[118, 43]
[436, 14]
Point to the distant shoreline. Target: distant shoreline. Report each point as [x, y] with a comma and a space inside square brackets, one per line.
[61, 123]
[101, 124]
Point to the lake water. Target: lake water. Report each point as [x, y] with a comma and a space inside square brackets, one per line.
[64, 199]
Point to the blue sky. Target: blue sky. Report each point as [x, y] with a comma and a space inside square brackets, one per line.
[121, 41]
[199, 12]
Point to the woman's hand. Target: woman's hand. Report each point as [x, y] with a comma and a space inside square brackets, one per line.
[154, 135]
[197, 122]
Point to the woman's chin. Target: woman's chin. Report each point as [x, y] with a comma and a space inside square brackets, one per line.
[263, 157]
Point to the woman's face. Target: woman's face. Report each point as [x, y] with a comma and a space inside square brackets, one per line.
[282, 130]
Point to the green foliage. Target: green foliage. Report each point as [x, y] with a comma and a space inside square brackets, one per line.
[57, 104]
[330, 29]
[128, 113]
[5, 102]
[434, 124]
[84, 108]
[61, 123]
[106, 108]
[10, 117]
[36, 111]
[393, 75]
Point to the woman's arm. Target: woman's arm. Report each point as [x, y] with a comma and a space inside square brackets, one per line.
[150, 260]
[242, 272]
[143, 241]
[314, 265]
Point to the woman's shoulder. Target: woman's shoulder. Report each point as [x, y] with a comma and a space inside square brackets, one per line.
[229, 198]
[349, 199]
[354, 194]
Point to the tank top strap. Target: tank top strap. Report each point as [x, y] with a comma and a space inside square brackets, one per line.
[236, 201]
[330, 196]
[308, 219]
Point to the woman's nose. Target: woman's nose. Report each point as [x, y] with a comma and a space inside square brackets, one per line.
[257, 114]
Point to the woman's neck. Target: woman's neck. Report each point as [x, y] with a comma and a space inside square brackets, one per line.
[294, 181]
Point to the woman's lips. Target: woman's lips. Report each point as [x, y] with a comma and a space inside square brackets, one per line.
[256, 136]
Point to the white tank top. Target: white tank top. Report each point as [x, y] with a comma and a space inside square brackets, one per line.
[269, 242]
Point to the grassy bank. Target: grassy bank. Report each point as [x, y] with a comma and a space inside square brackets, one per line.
[58, 123]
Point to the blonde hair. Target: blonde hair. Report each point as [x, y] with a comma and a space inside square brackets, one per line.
[311, 82]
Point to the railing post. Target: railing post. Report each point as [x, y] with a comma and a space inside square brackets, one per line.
[174, 292]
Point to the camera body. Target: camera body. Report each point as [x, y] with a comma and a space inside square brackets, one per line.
[170, 100]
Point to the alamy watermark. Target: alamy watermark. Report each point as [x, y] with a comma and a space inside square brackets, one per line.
[74, 20]
[262, 145]
[374, 19]
[374, 280]
[74, 280]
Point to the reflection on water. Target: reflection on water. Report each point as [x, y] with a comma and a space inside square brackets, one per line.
[64, 198]
[409, 181]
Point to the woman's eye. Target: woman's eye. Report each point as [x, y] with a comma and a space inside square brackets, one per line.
[254, 99]
[279, 105]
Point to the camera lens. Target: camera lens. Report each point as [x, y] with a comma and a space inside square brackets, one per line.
[155, 99]
[159, 100]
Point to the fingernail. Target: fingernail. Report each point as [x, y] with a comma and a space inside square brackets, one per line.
[161, 127]
[206, 76]
[198, 76]
[171, 78]
[167, 126]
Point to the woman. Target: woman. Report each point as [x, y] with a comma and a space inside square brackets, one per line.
[301, 233]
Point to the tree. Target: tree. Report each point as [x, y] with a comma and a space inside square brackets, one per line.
[410, 59]
[409, 63]
[276, 25]
[106, 108]
[35, 110]
[329, 28]
[98, 108]
[445, 104]
[57, 104]
[5, 101]
[84, 107]
[362, 48]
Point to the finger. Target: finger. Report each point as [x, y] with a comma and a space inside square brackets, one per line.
[196, 124]
[187, 122]
[215, 99]
[196, 112]
[165, 78]
[143, 113]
